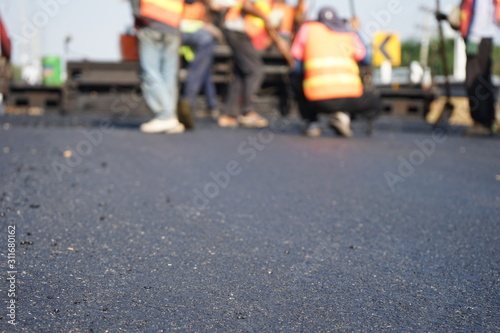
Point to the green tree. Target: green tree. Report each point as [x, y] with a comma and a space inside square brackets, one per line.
[410, 51]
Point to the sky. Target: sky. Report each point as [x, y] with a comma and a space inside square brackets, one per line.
[95, 25]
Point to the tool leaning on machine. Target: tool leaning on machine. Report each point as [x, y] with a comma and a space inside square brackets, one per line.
[448, 107]
[477, 22]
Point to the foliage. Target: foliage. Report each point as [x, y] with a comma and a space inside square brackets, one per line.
[410, 51]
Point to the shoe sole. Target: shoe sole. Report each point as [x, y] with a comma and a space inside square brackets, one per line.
[177, 129]
[312, 134]
[227, 124]
[254, 124]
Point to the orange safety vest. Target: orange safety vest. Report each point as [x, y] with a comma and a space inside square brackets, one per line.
[168, 12]
[254, 26]
[196, 11]
[467, 12]
[330, 70]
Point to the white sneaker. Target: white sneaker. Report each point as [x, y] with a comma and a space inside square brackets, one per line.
[171, 126]
[341, 123]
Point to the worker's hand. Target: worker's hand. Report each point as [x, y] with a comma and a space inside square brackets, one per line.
[355, 24]
[268, 23]
[140, 21]
[471, 48]
[441, 16]
[213, 30]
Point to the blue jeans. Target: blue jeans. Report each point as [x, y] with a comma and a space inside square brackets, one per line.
[199, 71]
[159, 60]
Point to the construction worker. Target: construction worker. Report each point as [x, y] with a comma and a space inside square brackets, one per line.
[158, 23]
[326, 76]
[477, 23]
[245, 20]
[199, 37]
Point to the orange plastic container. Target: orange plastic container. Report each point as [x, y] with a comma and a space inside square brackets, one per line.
[128, 45]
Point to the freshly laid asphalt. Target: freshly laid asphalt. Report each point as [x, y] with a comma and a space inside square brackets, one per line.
[241, 230]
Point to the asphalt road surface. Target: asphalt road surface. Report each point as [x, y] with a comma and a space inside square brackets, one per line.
[240, 230]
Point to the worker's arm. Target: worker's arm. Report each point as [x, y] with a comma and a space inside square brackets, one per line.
[136, 7]
[299, 13]
[362, 51]
[298, 48]
[139, 21]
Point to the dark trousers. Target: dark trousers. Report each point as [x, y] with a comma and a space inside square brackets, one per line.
[368, 105]
[247, 72]
[199, 73]
[479, 86]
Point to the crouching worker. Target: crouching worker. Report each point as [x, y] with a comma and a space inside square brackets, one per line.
[326, 76]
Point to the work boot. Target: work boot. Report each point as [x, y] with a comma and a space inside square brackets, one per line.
[313, 129]
[481, 130]
[214, 113]
[184, 114]
[341, 124]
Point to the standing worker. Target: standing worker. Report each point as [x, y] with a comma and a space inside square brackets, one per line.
[158, 23]
[245, 19]
[199, 37]
[326, 76]
[477, 24]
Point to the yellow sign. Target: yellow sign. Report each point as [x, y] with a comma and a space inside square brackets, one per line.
[386, 47]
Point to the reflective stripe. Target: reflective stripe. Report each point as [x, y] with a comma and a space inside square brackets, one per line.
[337, 79]
[191, 26]
[171, 5]
[345, 64]
[345, 86]
[165, 11]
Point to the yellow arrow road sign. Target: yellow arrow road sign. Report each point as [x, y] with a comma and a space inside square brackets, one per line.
[386, 47]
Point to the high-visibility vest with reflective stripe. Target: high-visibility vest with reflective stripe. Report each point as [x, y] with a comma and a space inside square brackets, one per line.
[168, 12]
[330, 70]
[467, 12]
[253, 25]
